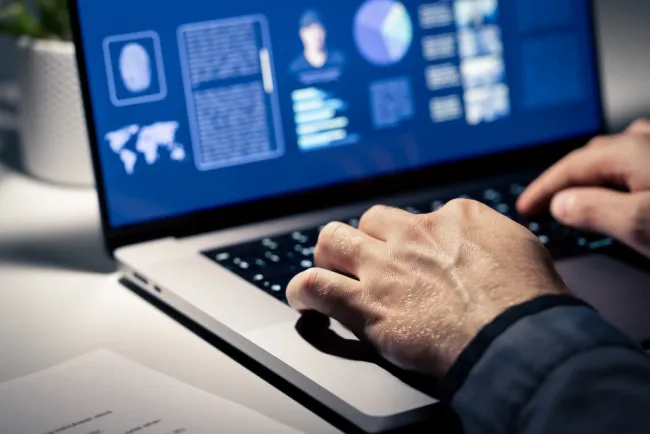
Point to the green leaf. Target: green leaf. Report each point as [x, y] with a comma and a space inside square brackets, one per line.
[64, 19]
[48, 17]
[51, 20]
[17, 20]
[54, 18]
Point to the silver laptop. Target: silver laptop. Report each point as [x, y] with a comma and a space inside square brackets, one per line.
[224, 134]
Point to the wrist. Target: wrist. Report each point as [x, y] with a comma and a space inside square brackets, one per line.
[460, 370]
[512, 357]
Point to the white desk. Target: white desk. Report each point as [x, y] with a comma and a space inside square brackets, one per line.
[59, 299]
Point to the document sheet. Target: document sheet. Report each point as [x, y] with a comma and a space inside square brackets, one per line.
[102, 393]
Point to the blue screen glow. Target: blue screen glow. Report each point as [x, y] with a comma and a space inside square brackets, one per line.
[203, 104]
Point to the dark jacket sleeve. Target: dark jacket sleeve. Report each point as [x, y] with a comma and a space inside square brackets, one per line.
[552, 366]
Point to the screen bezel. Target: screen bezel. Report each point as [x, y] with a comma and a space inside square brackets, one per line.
[439, 174]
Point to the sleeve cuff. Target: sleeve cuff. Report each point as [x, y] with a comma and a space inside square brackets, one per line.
[502, 367]
[481, 343]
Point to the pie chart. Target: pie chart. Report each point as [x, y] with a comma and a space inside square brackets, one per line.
[383, 31]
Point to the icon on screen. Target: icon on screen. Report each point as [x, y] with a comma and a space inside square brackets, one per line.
[134, 68]
[475, 14]
[392, 102]
[383, 31]
[481, 42]
[133, 141]
[487, 104]
[483, 71]
[316, 54]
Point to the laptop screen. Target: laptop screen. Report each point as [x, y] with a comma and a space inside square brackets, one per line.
[203, 104]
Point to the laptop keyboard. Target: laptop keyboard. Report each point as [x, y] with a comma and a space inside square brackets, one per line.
[270, 263]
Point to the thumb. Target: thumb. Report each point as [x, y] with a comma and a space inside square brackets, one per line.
[601, 210]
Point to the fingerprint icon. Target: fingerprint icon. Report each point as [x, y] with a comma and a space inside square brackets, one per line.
[135, 68]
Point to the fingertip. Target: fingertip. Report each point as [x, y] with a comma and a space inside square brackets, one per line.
[537, 196]
[294, 291]
[526, 204]
[522, 205]
[320, 290]
[562, 205]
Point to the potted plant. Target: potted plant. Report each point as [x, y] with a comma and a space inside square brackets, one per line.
[51, 121]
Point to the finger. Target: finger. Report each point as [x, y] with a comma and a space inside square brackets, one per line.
[641, 126]
[343, 248]
[328, 293]
[590, 166]
[380, 221]
[609, 212]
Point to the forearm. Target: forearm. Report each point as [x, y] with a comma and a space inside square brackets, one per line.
[545, 369]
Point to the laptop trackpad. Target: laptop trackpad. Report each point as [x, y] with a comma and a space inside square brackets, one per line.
[335, 360]
[620, 292]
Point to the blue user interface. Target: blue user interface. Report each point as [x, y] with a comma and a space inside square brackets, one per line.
[200, 104]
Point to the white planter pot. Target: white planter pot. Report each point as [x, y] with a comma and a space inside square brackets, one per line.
[52, 124]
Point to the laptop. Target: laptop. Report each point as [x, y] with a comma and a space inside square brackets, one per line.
[226, 134]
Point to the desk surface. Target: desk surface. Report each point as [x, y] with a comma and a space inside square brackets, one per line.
[59, 298]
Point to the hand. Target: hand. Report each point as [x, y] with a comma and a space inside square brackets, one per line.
[419, 288]
[574, 186]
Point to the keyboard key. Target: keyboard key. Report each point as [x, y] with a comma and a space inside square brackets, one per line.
[308, 251]
[492, 195]
[601, 244]
[502, 208]
[593, 241]
[516, 189]
[534, 227]
[300, 237]
[270, 243]
[354, 223]
[413, 210]
[436, 205]
[272, 262]
[222, 257]
[272, 257]
[258, 278]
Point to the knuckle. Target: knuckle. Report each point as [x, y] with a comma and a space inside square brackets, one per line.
[463, 207]
[640, 125]
[429, 221]
[373, 213]
[329, 233]
[377, 210]
[339, 243]
[597, 142]
[411, 231]
[311, 280]
[413, 228]
[637, 143]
